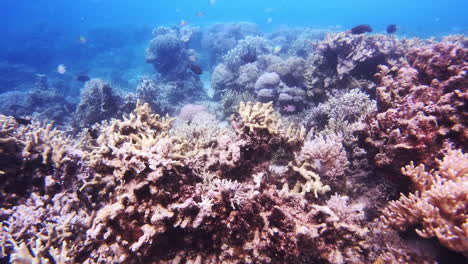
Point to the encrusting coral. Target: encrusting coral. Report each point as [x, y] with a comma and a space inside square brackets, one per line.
[346, 60]
[439, 203]
[421, 104]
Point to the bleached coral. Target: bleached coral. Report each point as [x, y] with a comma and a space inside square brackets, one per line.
[258, 117]
[439, 203]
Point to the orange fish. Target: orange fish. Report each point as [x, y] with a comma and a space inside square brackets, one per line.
[183, 23]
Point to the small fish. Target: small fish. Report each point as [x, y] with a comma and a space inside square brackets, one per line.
[392, 28]
[289, 108]
[82, 77]
[61, 69]
[192, 58]
[195, 69]
[93, 133]
[183, 23]
[22, 121]
[277, 49]
[360, 29]
[83, 40]
[269, 20]
[200, 14]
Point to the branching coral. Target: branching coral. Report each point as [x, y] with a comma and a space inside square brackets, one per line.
[439, 203]
[319, 159]
[258, 117]
[31, 155]
[138, 142]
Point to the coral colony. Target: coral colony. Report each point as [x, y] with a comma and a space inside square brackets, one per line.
[335, 148]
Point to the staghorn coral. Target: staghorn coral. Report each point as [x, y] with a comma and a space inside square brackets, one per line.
[417, 109]
[40, 231]
[322, 158]
[439, 203]
[138, 142]
[30, 155]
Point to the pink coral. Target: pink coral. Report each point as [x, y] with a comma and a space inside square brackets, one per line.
[189, 111]
[421, 104]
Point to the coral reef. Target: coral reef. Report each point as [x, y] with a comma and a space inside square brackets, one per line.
[251, 67]
[421, 104]
[31, 158]
[341, 113]
[168, 97]
[438, 205]
[100, 101]
[171, 54]
[168, 52]
[296, 158]
[346, 60]
[222, 37]
[152, 193]
[39, 104]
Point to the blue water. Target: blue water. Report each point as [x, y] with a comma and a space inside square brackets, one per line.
[44, 33]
